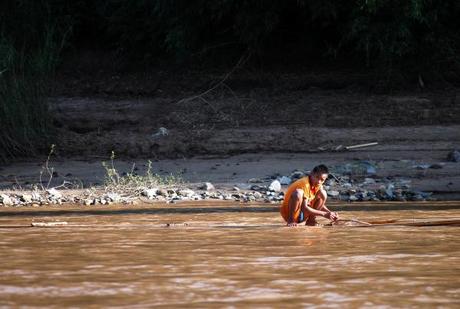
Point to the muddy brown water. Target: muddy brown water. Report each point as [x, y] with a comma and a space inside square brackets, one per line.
[160, 257]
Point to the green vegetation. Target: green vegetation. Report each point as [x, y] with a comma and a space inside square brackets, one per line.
[28, 56]
[133, 183]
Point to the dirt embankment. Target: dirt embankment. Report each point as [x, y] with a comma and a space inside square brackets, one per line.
[249, 126]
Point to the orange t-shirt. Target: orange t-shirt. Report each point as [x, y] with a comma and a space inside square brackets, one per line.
[308, 192]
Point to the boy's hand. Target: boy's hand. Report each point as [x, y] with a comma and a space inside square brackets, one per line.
[333, 216]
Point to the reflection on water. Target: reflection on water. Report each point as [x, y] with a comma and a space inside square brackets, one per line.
[228, 260]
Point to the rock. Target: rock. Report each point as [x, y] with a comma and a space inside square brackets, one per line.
[236, 189]
[275, 186]
[6, 200]
[87, 202]
[162, 131]
[186, 192]
[421, 166]
[297, 175]
[368, 181]
[255, 180]
[257, 188]
[333, 193]
[436, 166]
[162, 192]
[284, 181]
[54, 194]
[150, 193]
[257, 195]
[113, 197]
[207, 186]
[36, 197]
[352, 198]
[454, 156]
[26, 198]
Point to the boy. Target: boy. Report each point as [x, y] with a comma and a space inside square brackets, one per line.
[305, 199]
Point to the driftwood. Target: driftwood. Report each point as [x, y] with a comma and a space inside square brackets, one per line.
[361, 145]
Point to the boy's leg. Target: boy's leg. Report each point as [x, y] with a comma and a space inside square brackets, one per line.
[318, 204]
[295, 204]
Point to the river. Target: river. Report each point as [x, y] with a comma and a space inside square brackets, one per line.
[180, 258]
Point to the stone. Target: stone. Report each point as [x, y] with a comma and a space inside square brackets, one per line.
[333, 193]
[26, 198]
[275, 186]
[257, 195]
[162, 192]
[257, 188]
[255, 180]
[54, 194]
[454, 156]
[150, 193]
[368, 181]
[284, 181]
[207, 186]
[113, 197]
[297, 175]
[162, 131]
[436, 166]
[186, 192]
[353, 198]
[36, 197]
[6, 200]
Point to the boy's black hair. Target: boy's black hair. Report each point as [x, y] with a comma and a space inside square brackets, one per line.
[320, 169]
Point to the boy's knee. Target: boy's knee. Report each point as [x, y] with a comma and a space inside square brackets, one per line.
[297, 195]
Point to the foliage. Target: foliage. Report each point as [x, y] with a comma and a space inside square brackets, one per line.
[133, 183]
[28, 56]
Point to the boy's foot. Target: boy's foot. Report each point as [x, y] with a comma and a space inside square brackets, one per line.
[311, 222]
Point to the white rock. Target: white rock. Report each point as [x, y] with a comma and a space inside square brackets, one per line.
[6, 200]
[369, 181]
[333, 193]
[55, 194]
[36, 196]
[285, 180]
[27, 198]
[186, 192]
[207, 186]
[352, 198]
[161, 132]
[275, 186]
[150, 193]
[114, 197]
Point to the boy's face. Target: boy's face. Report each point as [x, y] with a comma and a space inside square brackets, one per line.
[318, 179]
